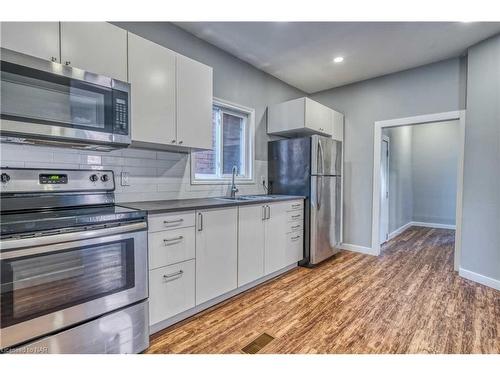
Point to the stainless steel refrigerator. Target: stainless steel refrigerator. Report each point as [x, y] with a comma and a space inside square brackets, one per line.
[311, 166]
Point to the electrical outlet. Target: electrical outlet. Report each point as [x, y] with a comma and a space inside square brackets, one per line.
[125, 179]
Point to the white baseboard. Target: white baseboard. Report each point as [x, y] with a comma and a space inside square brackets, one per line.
[432, 225]
[400, 230]
[358, 249]
[478, 278]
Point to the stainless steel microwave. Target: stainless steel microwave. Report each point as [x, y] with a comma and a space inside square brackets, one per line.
[44, 102]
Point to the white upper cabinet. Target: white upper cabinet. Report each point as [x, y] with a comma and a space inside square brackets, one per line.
[338, 126]
[216, 252]
[152, 78]
[301, 116]
[97, 47]
[39, 39]
[194, 103]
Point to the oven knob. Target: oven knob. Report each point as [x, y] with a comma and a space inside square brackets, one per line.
[93, 177]
[104, 178]
[5, 178]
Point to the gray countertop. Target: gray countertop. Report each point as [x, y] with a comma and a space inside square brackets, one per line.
[156, 207]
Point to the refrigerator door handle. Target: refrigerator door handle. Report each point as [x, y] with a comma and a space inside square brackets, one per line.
[318, 191]
[322, 158]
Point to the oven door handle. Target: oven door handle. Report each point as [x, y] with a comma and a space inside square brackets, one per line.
[33, 242]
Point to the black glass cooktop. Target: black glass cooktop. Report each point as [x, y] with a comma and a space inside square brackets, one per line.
[16, 223]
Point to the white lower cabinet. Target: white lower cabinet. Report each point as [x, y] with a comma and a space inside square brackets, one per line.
[171, 290]
[251, 243]
[216, 252]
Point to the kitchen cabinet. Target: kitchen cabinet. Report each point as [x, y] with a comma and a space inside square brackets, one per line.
[194, 103]
[152, 77]
[302, 116]
[39, 39]
[283, 235]
[338, 126]
[270, 238]
[97, 47]
[171, 290]
[251, 243]
[216, 252]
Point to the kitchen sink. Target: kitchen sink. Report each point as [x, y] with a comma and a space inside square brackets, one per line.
[248, 198]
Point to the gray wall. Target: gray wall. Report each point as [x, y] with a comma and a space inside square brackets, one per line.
[481, 194]
[234, 79]
[400, 177]
[434, 172]
[423, 173]
[432, 88]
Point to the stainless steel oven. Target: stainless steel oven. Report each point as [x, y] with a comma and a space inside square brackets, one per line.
[64, 268]
[46, 102]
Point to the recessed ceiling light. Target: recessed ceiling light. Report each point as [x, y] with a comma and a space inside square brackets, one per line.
[338, 59]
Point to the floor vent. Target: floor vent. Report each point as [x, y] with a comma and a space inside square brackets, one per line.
[256, 345]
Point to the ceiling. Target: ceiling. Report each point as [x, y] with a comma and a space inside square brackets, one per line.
[301, 53]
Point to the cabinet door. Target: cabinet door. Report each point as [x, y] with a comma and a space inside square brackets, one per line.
[338, 126]
[216, 252]
[251, 242]
[97, 47]
[194, 104]
[318, 117]
[152, 79]
[276, 238]
[39, 39]
[171, 290]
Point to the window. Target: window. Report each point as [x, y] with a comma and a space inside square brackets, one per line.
[232, 137]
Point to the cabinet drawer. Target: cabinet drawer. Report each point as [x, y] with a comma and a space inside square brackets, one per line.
[294, 227]
[295, 247]
[171, 290]
[170, 221]
[295, 216]
[295, 205]
[171, 246]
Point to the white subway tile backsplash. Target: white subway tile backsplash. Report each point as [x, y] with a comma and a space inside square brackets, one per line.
[154, 175]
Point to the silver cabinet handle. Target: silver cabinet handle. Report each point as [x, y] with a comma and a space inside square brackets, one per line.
[180, 142]
[175, 274]
[296, 205]
[173, 140]
[295, 238]
[53, 59]
[295, 227]
[295, 216]
[264, 210]
[200, 221]
[67, 63]
[167, 240]
[166, 222]
[268, 216]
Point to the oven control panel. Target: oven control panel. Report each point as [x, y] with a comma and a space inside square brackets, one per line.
[25, 180]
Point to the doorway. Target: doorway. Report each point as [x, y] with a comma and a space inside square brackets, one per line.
[384, 190]
[377, 209]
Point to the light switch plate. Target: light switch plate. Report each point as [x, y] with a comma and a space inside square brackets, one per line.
[125, 179]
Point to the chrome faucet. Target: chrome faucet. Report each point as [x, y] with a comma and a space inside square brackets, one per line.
[234, 189]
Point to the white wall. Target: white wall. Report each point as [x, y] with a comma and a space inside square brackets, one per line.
[423, 173]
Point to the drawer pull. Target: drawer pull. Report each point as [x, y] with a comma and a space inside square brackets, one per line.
[172, 275]
[167, 240]
[296, 205]
[295, 216]
[166, 222]
[295, 238]
[295, 227]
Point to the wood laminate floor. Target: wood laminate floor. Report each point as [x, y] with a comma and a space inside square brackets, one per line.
[408, 300]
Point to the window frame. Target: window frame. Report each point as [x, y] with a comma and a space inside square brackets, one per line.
[249, 140]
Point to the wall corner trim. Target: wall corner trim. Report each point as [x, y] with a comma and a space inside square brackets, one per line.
[478, 278]
[400, 230]
[359, 249]
[432, 225]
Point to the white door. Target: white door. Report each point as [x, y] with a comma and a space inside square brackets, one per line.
[251, 242]
[39, 39]
[276, 256]
[216, 252]
[384, 191]
[97, 47]
[152, 77]
[194, 104]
